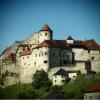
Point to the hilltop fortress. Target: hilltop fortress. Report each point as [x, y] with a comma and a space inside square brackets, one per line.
[61, 59]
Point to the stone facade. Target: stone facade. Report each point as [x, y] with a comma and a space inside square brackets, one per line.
[40, 51]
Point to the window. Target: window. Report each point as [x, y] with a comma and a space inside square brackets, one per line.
[35, 55]
[62, 76]
[24, 63]
[45, 53]
[92, 58]
[23, 57]
[34, 63]
[55, 76]
[55, 81]
[64, 62]
[42, 53]
[63, 55]
[23, 49]
[62, 81]
[45, 34]
[88, 51]
[45, 61]
[27, 57]
[53, 54]
[90, 97]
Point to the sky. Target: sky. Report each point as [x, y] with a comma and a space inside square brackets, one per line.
[19, 19]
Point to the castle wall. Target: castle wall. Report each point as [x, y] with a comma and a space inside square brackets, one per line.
[10, 73]
[26, 69]
[81, 54]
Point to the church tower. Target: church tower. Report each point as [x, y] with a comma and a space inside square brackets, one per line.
[45, 33]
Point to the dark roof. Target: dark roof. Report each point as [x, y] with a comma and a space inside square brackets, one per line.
[91, 44]
[61, 72]
[87, 44]
[95, 88]
[69, 38]
[53, 43]
[65, 72]
[46, 28]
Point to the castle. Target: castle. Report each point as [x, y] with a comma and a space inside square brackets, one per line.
[62, 59]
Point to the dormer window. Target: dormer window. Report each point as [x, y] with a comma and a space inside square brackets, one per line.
[70, 39]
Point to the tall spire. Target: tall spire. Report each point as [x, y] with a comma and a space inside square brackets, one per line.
[46, 28]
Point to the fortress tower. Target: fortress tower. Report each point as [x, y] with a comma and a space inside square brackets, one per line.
[45, 33]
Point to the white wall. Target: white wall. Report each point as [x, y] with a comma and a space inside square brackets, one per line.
[59, 79]
[92, 96]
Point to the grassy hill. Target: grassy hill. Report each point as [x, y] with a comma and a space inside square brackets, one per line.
[73, 89]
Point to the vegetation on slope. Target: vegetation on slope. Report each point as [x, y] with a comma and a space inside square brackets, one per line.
[41, 88]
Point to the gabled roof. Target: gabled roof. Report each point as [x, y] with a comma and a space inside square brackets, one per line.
[46, 28]
[95, 88]
[91, 44]
[53, 43]
[70, 38]
[26, 51]
[87, 44]
[66, 72]
[61, 72]
[10, 57]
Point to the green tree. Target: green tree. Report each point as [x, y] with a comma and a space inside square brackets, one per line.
[41, 80]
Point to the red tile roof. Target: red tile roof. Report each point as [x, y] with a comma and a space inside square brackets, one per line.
[25, 51]
[88, 44]
[52, 43]
[91, 45]
[46, 28]
[95, 88]
[10, 57]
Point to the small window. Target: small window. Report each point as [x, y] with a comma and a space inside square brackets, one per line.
[74, 76]
[90, 97]
[55, 81]
[27, 57]
[63, 55]
[64, 61]
[34, 63]
[62, 76]
[62, 81]
[45, 61]
[24, 63]
[45, 53]
[35, 55]
[45, 34]
[88, 51]
[53, 54]
[23, 49]
[42, 53]
[55, 76]
[92, 58]
[23, 57]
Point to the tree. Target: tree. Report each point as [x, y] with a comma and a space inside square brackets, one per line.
[41, 80]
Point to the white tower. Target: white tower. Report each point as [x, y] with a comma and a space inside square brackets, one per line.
[45, 33]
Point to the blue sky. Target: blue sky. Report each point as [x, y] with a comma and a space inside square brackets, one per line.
[21, 18]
